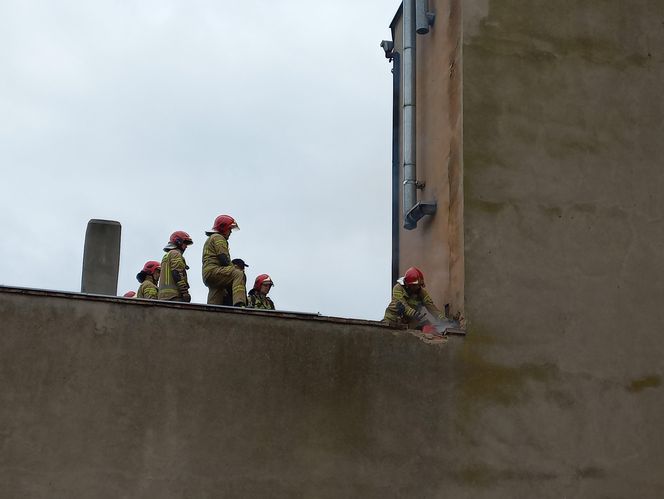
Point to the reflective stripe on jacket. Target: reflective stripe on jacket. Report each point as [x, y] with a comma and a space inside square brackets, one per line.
[215, 250]
[148, 290]
[173, 279]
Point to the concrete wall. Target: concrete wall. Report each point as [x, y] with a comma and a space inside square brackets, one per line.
[101, 257]
[563, 172]
[563, 182]
[110, 397]
[560, 378]
[436, 246]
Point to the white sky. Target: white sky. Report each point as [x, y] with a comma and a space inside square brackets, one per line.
[163, 114]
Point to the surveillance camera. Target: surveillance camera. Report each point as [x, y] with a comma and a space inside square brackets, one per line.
[388, 47]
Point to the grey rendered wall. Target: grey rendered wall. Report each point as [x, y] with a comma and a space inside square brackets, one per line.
[564, 236]
[110, 398]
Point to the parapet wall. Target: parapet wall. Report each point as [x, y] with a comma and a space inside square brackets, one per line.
[106, 398]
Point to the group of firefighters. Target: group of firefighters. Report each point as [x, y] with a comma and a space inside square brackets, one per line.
[411, 304]
[224, 278]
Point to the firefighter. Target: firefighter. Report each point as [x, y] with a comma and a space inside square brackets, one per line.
[410, 303]
[258, 295]
[219, 272]
[173, 284]
[149, 277]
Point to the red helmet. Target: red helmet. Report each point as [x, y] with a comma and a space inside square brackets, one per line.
[150, 267]
[413, 276]
[180, 237]
[262, 279]
[223, 223]
[129, 294]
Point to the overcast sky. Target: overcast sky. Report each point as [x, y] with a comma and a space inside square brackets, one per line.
[164, 114]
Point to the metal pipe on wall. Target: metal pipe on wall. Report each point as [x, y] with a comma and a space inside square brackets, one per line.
[409, 166]
[396, 160]
[413, 210]
[423, 17]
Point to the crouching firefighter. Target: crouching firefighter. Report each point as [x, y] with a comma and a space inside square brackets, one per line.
[149, 277]
[410, 303]
[258, 295]
[219, 272]
[173, 284]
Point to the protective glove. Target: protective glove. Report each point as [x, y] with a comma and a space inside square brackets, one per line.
[186, 297]
[420, 316]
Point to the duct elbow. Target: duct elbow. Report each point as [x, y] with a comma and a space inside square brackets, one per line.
[417, 212]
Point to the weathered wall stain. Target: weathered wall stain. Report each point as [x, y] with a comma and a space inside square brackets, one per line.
[479, 475]
[484, 382]
[640, 384]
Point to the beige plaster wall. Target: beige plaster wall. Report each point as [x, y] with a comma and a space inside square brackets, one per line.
[563, 172]
[564, 223]
[436, 245]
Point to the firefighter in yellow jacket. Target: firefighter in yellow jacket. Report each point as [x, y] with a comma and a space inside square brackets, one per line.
[219, 272]
[149, 277]
[173, 284]
[410, 303]
[258, 295]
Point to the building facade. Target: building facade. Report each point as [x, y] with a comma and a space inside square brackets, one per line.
[436, 245]
[538, 131]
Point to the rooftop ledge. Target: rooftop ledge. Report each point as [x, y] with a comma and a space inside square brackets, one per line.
[139, 302]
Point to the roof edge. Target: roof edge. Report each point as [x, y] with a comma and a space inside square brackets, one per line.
[396, 18]
[201, 307]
